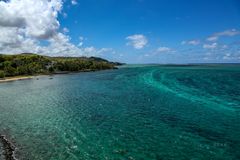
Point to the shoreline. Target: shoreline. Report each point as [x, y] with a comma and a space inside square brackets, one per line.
[8, 148]
[17, 78]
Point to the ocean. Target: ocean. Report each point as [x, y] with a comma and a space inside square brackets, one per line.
[148, 112]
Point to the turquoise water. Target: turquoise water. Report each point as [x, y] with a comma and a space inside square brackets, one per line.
[149, 112]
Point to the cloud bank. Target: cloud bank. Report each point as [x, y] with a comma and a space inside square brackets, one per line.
[226, 33]
[26, 24]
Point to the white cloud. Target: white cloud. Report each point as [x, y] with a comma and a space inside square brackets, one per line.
[91, 51]
[25, 23]
[65, 30]
[138, 41]
[147, 55]
[37, 19]
[210, 46]
[81, 39]
[191, 42]
[194, 42]
[160, 50]
[64, 15]
[229, 56]
[228, 33]
[225, 46]
[80, 44]
[74, 2]
[212, 38]
[163, 49]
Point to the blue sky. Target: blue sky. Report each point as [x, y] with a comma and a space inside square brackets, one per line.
[153, 31]
[165, 23]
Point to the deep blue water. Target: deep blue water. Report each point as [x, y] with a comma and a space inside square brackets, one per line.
[150, 112]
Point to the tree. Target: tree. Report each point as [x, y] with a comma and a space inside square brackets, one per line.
[51, 69]
[1, 58]
[10, 71]
[30, 64]
[2, 74]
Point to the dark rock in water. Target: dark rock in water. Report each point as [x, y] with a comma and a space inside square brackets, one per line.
[8, 148]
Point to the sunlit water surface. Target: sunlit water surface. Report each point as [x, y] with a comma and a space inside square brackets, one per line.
[149, 112]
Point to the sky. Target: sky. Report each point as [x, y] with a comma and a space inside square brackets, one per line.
[130, 31]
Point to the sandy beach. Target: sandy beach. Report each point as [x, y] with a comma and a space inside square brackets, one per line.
[10, 79]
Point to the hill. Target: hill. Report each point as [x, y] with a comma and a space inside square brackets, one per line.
[33, 64]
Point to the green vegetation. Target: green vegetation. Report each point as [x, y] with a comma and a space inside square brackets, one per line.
[31, 64]
[2, 74]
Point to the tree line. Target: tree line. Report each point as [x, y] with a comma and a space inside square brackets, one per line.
[32, 64]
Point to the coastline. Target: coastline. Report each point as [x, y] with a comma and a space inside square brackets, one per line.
[17, 78]
[8, 148]
[30, 65]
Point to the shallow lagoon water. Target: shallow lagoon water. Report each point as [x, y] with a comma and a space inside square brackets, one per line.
[149, 112]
